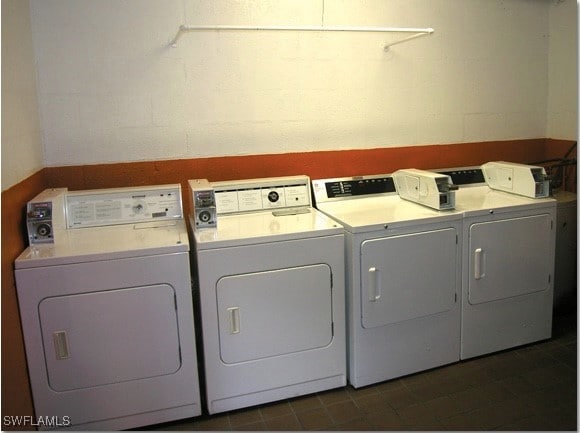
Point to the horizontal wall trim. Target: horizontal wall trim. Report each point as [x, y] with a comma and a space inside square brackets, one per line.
[320, 164]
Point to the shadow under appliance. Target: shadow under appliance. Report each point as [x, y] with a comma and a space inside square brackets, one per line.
[403, 278]
[508, 264]
[106, 310]
[271, 285]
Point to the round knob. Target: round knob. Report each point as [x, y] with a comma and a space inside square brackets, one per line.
[43, 230]
[273, 196]
[204, 216]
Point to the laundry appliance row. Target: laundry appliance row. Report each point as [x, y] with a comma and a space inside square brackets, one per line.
[382, 276]
[107, 306]
[428, 283]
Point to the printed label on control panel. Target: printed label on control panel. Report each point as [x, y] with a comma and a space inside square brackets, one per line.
[297, 195]
[249, 199]
[226, 201]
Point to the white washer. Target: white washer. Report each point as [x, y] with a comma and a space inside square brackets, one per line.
[565, 287]
[107, 311]
[508, 265]
[403, 278]
[271, 282]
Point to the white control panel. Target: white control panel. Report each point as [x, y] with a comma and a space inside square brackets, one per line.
[258, 195]
[124, 205]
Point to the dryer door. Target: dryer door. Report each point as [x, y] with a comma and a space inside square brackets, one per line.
[111, 336]
[272, 313]
[509, 257]
[408, 276]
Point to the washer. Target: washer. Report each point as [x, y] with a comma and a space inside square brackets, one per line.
[508, 265]
[403, 278]
[106, 310]
[271, 283]
[565, 287]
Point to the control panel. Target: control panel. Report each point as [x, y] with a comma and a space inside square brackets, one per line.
[356, 187]
[464, 176]
[352, 187]
[527, 180]
[434, 190]
[122, 206]
[262, 194]
[39, 222]
[44, 216]
[204, 208]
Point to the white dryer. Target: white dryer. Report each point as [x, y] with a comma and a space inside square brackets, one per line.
[508, 265]
[106, 310]
[403, 278]
[271, 283]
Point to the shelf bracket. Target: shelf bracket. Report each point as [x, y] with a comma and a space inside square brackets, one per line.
[417, 32]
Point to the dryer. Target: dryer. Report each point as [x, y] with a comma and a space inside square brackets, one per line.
[271, 288]
[106, 308]
[403, 264]
[508, 265]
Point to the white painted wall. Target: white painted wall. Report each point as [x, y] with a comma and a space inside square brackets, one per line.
[21, 141]
[111, 90]
[563, 70]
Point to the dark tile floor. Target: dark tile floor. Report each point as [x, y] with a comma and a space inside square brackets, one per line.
[527, 388]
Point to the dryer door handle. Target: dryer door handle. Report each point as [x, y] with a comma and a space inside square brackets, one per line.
[375, 289]
[234, 313]
[479, 264]
[60, 341]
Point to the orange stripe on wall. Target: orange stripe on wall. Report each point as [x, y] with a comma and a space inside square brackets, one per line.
[314, 164]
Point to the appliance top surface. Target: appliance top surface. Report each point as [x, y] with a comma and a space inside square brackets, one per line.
[264, 227]
[108, 243]
[477, 198]
[367, 203]
[372, 213]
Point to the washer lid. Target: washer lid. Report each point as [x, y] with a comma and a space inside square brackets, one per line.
[108, 243]
[373, 213]
[263, 227]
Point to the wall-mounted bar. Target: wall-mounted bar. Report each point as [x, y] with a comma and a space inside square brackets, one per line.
[418, 32]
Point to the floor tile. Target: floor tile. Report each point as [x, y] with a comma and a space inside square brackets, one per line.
[245, 416]
[344, 411]
[360, 424]
[386, 419]
[284, 422]
[275, 410]
[419, 415]
[443, 407]
[305, 403]
[399, 398]
[315, 419]
[334, 396]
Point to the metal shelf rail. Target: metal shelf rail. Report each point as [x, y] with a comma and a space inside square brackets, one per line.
[416, 32]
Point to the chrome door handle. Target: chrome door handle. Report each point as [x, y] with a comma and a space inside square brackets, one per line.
[375, 289]
[479, 264]
[234, 314]
[60, 345]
